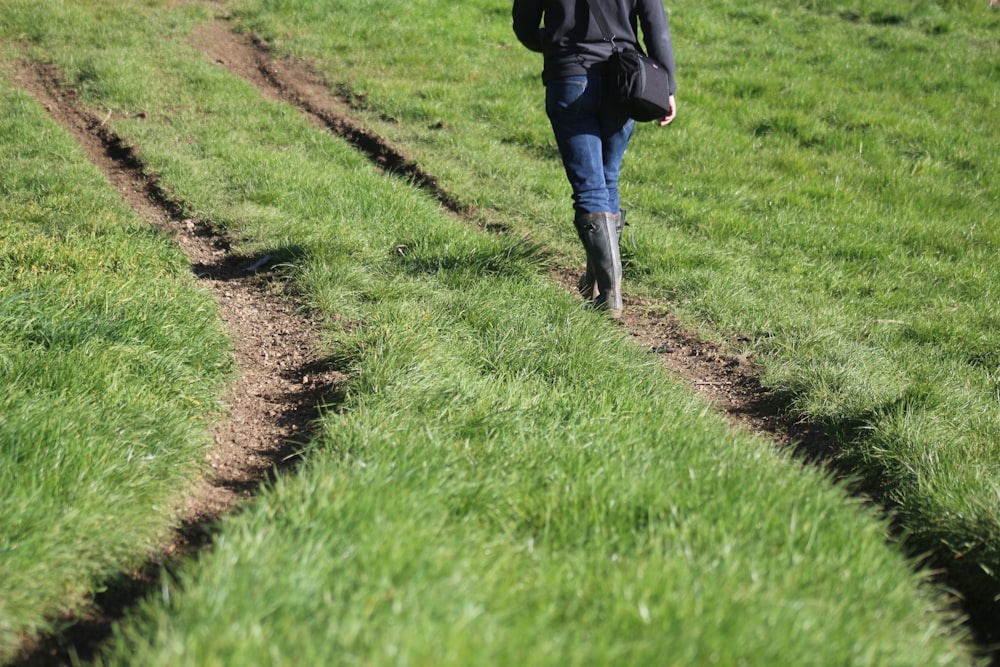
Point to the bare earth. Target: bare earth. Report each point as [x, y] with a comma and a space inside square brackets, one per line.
[273, 405]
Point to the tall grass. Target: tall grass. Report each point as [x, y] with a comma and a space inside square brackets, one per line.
[109, 359]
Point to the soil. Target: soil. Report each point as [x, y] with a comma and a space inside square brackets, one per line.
[271, 408]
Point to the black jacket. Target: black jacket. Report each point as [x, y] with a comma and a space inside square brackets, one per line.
[571, 41]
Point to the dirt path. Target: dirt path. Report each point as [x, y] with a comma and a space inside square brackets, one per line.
[273, 404]
[282, 378]
[270, 408]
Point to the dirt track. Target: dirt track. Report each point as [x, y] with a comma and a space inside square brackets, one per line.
[282, 379]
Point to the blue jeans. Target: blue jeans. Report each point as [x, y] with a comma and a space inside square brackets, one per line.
[592, 138]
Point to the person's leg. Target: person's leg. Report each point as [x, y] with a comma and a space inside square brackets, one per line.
[615, 135]
[587, 283]
[573, 105]
[597, 233]
[592, 140]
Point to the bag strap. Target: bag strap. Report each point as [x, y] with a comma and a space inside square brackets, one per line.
[602, 22]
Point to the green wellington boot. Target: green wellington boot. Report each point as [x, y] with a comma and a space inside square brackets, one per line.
[598, 234]
[587, 284]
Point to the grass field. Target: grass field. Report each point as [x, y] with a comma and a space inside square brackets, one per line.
[508, 478]
[826, 194]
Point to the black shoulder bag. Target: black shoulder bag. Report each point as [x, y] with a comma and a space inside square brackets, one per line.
[639, 85]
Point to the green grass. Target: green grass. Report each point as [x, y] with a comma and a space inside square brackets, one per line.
[507, 478]
[825, 195]
[534, 503]
[110, 360]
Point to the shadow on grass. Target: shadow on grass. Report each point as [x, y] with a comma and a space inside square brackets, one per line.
[957, 555]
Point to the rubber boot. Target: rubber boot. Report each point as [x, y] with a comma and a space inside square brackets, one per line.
[600, 240]
[587, 285]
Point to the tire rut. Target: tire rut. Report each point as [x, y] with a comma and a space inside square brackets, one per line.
[292, 83]
[282, 377]
[270, 410]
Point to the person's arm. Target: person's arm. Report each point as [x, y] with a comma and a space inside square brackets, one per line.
[659, 46]
[656, 36]
[527, 15]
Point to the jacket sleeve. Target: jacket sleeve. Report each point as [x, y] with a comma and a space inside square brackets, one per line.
[527, 15]
[656, 36]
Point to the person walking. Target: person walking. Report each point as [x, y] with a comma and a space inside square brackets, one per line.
[591, 133]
